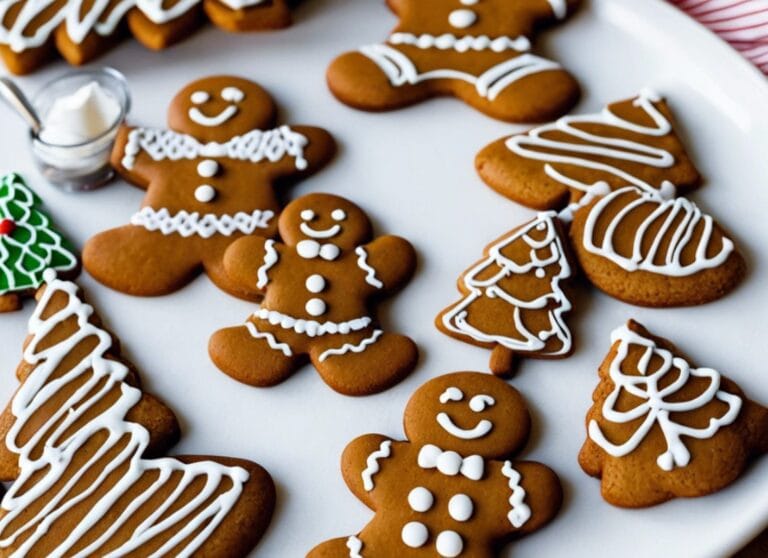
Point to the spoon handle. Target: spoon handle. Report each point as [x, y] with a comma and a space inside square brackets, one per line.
[12, 95]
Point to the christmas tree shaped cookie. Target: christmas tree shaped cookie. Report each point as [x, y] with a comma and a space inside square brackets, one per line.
[29, 244]
[661, 428]
[83, 447]
[515, 300]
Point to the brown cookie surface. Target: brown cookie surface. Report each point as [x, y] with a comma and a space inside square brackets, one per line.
[319, 285]
[84, 449]
[515, 299]
[630, 142]
[661, 429]
[210, 179]
[451, 489]
[478, 52]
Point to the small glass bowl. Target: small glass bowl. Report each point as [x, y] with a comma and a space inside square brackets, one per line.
[82, 166]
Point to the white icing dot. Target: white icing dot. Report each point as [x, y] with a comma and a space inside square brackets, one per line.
[461, 19]
[308, 249]
[540, 273]
[461, 507]
[339, 214]
[307, 215]
[329, 252]
[199, 97]
[449, 544]
[315, 307]
[420, 499]
[205, 193]
[315, 283]
[232, 94]
[469, 2]
[415, 534]
[207, 168]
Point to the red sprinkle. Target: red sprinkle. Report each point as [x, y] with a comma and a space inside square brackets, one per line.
[7, 226]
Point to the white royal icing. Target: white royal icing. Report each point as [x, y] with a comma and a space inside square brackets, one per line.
[461, 507]
[480, 430]
[205, 193]
[315, 283]
[450, 463]
[198, 117]
[188, 224]
[588, 149]
[461, 19]
[316, 307]
[271, 340]
[678, 218]
[448, 41]
[370, 272]
[421, 499]
[559, 8]
[271, 257]
[65, 433]
[207, 168]
[415, 534]
[449, 544]
[355, 546]
[311, 328]
[320, 234]
[255, 146]
[519, 513]
[372, 464]
[352, 348]
[451, 394]
[479, 403]
[456, 319]
[659, 402]
[240, 4]
[311, 249]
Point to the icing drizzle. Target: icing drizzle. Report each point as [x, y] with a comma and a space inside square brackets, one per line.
[188, 224]
[372, 464]
[370, 272]
[520, 512]
[75, 424]
[352, 348]
[659, 402]
[270, 259]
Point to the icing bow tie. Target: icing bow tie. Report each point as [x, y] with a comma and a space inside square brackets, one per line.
[451, 463]
[311, 249]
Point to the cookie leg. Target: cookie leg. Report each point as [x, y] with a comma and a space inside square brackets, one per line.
[362, 81]
[252, 357]
[335, 548]
[138, 262]
[9, 303]
[364, 364]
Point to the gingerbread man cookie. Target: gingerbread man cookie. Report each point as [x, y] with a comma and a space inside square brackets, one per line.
[515, 299]
[210, 180]
[83, 450]
[318, 286]
[631, 142]
[452, 489]
[31, 31]
[29, 244]
[661, 428]
[476, 50]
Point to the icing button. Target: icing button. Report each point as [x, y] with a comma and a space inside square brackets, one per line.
[207, 168]
[449, 544]
[205, 193]
[415, 534]
[315, 283]
[420, 499]
[462, 19]
[315, 307]
[461, 507]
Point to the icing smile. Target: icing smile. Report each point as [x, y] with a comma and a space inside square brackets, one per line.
[211, 121]
[481, 429]
[326, 233]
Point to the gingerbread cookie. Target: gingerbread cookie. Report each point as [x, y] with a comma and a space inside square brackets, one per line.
[32, 31]
[452, 489]
[210, 180]
[651, 249]
[29, 244]
[476, 50]
[515, 300]
[661, 428]
[83, 450]
[319, 284]
[631, 142]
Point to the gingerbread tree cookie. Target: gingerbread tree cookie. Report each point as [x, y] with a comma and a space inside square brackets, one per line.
[514, 300]
[82, 449]
[319, 284]
[661, 428]
[452, 489]
[630, 142]
[210, 180]
[31, 31]
[476, 50]
[29, 244]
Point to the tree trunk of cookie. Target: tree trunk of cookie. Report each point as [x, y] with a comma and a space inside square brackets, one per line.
[9, 303]
[503, 362]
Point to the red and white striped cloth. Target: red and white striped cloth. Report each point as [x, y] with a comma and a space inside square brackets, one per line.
[743, 23]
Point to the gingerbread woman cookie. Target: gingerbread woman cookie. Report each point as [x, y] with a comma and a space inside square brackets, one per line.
[29, 244]
[318, 286]
[210, 180]
[631, 142]
[32, 31]
[476, 50]
[83, 450]
[515, 299]
[661, 429]
[452, 489]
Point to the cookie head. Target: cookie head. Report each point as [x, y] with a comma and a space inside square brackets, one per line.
[221, 107]
[470, 413]
[324, 221]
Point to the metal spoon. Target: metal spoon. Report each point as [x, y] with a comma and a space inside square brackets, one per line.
[16, 99]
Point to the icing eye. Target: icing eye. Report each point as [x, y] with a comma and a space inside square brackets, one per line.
[307, 215]
[232, 94]
[339, 214]
[479, 403]
[200, 97]
[451, 394]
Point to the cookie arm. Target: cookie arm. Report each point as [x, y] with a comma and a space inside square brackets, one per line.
[388, 262]
[310, 149]
[247, 262]
[362, 462]
[132, 167]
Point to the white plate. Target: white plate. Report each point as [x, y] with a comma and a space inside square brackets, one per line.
[412, 170]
